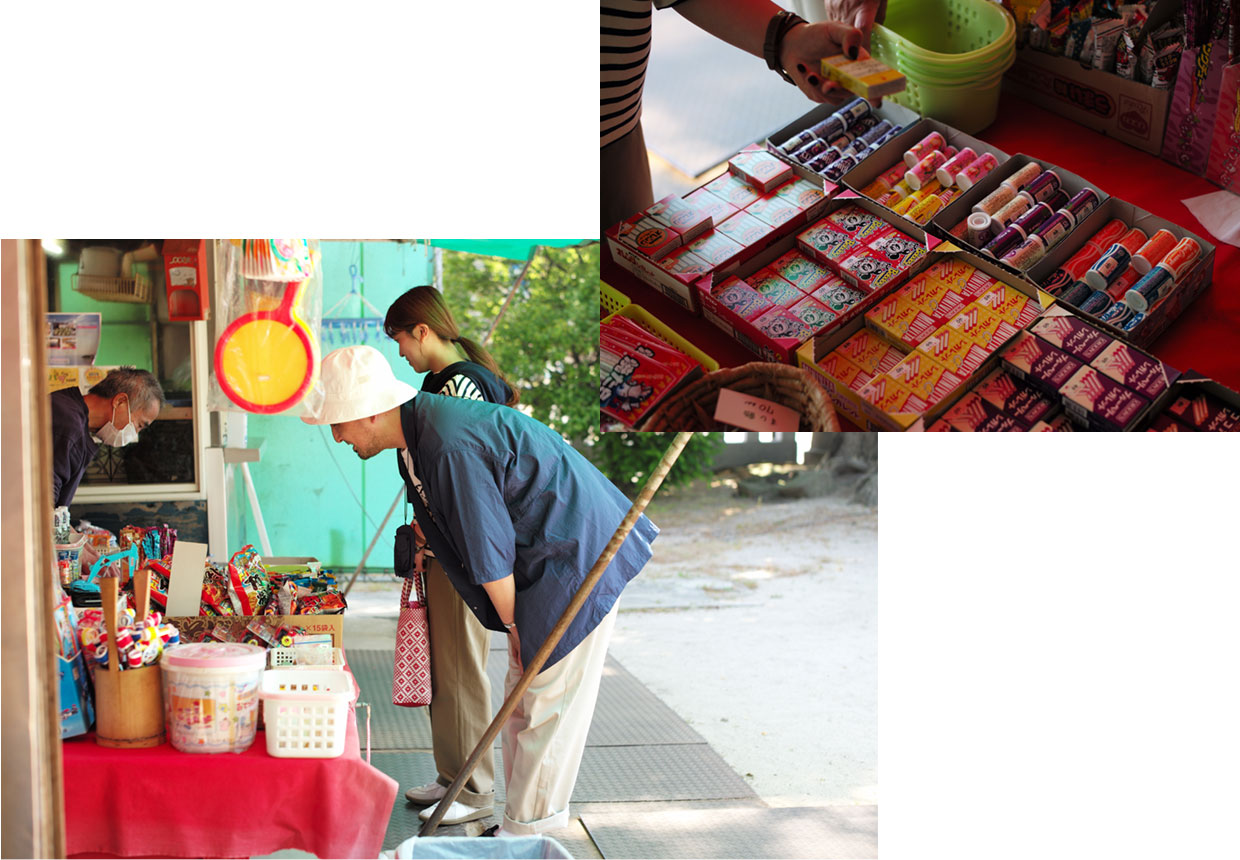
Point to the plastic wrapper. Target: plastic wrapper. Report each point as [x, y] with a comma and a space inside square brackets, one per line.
[1079, 26]
[266, 359]
[249, 587]
[1106, 35]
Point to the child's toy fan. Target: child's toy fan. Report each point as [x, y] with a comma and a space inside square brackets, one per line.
[267, 361]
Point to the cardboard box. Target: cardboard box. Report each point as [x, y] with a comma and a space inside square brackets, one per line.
[848, 400]
[1128, 111]
[947, 223]
[676, 276]
[1196, 402]
[897, 115]
[746, 331]
[193, 628]
[893, 151]
[1140, 330]
[1052, 371]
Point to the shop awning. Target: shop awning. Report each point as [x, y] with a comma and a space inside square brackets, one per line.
[508, 249]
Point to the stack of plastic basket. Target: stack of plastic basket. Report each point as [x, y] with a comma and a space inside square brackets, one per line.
[953, 54]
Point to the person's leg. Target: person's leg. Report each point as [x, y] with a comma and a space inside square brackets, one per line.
[624, 178]
[545, 737]
[460, 708]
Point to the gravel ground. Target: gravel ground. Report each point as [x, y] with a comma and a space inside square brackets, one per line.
[757, 623]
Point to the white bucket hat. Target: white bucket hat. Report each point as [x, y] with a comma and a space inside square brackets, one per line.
[357, 383]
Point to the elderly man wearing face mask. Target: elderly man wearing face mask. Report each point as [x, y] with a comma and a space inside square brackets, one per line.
[122, 405]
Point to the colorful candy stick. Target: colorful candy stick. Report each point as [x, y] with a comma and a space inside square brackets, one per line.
[931, 142]
[923, 171]
[1112, 264]
[975, 170]
[1152, 252]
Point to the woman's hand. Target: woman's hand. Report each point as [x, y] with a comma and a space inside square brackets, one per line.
[859, 13]
[806, 45]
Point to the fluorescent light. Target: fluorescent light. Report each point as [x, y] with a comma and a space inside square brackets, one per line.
[54, 247]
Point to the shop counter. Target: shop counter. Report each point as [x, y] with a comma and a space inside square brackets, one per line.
[1205, 338]
[159, 802]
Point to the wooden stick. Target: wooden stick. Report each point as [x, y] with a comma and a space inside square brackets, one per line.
[109, 590]
[141, 594]
[557, 632]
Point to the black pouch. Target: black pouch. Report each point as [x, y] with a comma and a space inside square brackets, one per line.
[404, 550]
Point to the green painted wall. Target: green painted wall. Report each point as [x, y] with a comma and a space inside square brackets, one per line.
[316, 496]
[125, 336]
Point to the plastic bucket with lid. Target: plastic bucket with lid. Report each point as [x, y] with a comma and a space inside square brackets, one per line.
[211, 695]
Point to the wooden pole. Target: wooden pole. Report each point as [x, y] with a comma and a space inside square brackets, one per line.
[557, 632]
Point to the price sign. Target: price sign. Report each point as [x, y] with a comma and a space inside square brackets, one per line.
[753, 413]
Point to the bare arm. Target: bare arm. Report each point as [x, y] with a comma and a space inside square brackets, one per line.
[503, 594]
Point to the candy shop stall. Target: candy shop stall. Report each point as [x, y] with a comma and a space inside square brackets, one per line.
[187, 655]
[931, 268]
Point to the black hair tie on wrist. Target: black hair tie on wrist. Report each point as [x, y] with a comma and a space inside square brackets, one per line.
[781, 22]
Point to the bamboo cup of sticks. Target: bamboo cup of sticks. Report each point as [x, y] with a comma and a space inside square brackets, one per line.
[129, 704]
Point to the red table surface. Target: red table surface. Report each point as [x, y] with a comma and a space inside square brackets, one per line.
[1205, 337]
[158, 802]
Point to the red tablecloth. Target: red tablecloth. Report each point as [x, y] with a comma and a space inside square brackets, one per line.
[158, 802]
[1206, 337]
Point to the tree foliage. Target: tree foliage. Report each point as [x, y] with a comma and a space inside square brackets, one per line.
[629, 458]
[546, 342]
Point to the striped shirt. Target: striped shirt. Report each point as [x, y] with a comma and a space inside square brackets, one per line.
[624, 49]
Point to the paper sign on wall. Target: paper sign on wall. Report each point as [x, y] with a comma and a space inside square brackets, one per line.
[754, 413]
[185, 577]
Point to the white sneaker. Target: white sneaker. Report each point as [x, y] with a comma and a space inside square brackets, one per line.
[458, 813]
[424, 794]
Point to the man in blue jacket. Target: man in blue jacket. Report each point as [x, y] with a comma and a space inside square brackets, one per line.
[517, 518]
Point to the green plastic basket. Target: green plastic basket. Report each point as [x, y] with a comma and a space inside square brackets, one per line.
[948, 31]
[978, 81]
[968, 108]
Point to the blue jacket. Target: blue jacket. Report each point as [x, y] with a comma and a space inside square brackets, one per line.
[508, 495]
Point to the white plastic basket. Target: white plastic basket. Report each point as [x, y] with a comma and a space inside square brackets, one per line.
[306, 711]
[305, 657]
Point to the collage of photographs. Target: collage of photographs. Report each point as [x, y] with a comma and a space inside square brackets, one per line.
[322, 547]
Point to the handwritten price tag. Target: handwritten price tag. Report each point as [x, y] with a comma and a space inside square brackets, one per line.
[754, 413]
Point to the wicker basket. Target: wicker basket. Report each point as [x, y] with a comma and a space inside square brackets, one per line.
[693, 407]
[134, 290]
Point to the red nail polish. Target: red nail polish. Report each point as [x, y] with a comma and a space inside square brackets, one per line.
[801, 68]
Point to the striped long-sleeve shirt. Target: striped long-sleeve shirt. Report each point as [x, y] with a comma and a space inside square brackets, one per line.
[624, 48]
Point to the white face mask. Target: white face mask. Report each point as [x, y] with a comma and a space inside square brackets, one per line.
[127, 435]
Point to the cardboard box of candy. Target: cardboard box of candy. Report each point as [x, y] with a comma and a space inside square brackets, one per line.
[1027, 193]
[1102, 382]
[259, 629]
[926, 378]
[1130, 111]
[1196, 404]
[883, 176]
[811, 282]
[817, 139]
[1062, 270]
[679, 240]
[638, 370]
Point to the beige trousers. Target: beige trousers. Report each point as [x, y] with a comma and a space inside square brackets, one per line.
[460, 708]
[545, 737]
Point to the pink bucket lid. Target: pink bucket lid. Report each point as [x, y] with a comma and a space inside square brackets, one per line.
[216, 655]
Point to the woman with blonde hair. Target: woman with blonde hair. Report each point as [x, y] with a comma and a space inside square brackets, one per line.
[460, 709]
